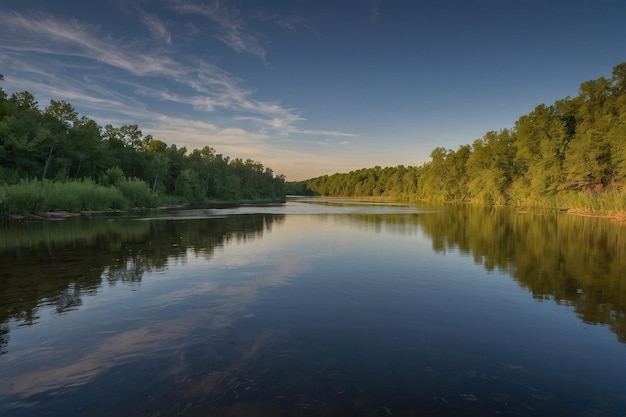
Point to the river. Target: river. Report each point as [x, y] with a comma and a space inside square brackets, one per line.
[314, 307]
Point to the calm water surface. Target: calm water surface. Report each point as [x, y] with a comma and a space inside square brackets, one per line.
[314, 308]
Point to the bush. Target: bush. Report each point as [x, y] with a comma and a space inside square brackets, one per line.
[137, 192]
[112, 176]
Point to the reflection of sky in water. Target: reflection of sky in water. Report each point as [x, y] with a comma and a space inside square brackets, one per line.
[297, 206]
[369, 303]
[233, 276]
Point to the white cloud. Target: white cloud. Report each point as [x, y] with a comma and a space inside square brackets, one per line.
[232, 30]
[324, 133]
[70, 38]
[128, 81]
[240, 143]
[67, 37]
[155, 26]
[195, 134]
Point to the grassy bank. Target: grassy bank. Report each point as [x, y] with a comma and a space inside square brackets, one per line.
[38, 197]
[604, 203]
[609, 204]
[31, 197]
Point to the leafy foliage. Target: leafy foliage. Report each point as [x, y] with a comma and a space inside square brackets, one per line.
[57, 144]
[569, 154]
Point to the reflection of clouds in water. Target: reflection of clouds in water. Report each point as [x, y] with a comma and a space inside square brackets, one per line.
[148, 341]
[302, 206]
[181, 294]
[111, 351]
[196, 389]
[251, 267]
[258, 266]
[203, 386]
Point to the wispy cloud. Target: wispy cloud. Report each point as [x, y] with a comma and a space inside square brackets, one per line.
[227, 97]
[329, 143]
[155, 25]
[287, 126]
[195, 134]
[47, 34]
[290, 23]
[374, 11]
[326, 133]
[70, 38]
[232, 30]
[117, 80]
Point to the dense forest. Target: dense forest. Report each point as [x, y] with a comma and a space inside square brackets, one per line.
[568, 154]
[56, 145]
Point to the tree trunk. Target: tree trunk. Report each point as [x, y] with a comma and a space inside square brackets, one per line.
[47, 164]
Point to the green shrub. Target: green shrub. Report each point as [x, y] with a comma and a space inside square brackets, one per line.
[137, 192]
[112, 176]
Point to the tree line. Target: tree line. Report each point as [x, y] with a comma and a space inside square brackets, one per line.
[570, 152]
[55, 143]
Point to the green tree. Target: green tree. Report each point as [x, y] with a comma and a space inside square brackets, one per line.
[3, 94]
[157, 160]
[490, 167]
[61, 116]
[542, 139]
[24, 101]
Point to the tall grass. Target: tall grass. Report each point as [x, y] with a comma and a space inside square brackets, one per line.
[606, 202]
[28, 197]
[137, 192]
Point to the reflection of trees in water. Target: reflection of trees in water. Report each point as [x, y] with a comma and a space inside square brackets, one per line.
[397, 223]
[573, 260]
[4, 338]
[69, 299]
[55, 264]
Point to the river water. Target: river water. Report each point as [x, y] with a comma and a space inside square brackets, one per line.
[314, 308]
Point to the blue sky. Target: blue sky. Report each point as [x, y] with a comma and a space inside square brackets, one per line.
[309, 87]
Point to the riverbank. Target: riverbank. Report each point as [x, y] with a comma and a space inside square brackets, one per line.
[65, 214]
[617, 216]
[40, 200]
[61, 214]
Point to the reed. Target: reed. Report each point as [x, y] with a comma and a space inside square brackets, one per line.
[32, 196]
[606, 202]
[137, 192]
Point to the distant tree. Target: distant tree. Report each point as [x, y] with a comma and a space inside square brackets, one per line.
[577, 144]
[62, 117]
[62, 112]
[24, 100]
[3, 94]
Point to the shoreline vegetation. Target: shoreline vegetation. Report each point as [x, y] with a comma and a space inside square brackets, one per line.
[569, 156]
[40, 200]
[54, 161]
